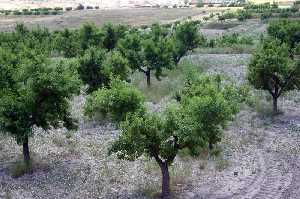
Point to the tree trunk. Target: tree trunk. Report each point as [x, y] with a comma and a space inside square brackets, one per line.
[26, 154]
[210, 146]
[165, 194]
[148, 75]
[275, 107]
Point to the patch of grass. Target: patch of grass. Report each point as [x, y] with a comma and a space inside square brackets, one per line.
[58, 141]
[180, 173]
[261, 106]
[151, 191]
[221, 164]
[172, 82]
[234, 49]
[20, 168]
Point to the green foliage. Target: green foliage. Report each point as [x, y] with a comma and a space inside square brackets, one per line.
[148, 52]
[242, 15]
[20, 168]
[90, 36]
[271, 69]
[200, 4]
[116, 102]
[97, 67]
[66, 42]
[286, 31]
[92, 70]
[192, 124]
[131, 48]
[186, 38]
[34, 92]
[116, 65]
[266, 15]
[111, 35]
[157, 55]
[230, 40]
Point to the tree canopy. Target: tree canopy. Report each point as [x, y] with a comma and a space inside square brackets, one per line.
[196, 122]
[34, 92]
[272, 69]
[286, 31]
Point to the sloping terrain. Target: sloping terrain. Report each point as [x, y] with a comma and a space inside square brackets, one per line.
[260, 156]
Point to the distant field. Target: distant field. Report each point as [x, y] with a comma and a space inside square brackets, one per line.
[134, 16]
[282, 2]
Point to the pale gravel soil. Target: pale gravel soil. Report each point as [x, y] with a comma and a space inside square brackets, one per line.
[251, 27]
[263, 152]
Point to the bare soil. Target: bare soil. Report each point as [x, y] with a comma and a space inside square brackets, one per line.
[134, 17]
[260, 156]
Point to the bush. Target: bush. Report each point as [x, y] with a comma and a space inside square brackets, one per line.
[45, 12]
[200, 4]
[54, 12]
[26, 12]
[20, 168]
[17, 12]
[284, 14]
[116, 102]
[242, 15]
[265, 15]
[89, 7]
[58, 9]
[69, 8]
[80, 7]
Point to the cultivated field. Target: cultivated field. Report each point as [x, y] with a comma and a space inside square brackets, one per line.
[135, 17]
[259, 156]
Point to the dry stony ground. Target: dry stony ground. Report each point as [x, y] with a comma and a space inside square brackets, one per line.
[260, 156]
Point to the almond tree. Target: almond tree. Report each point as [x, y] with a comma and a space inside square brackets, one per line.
[271, 69]
[34, 93]
[161, 136]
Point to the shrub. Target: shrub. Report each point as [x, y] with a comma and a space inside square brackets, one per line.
[17, 12]
[116, 102]
[58, 9]
[242, 15]
[54, 12]
[272, 70]
[200, 4]
[265, 15]
[45, 12]
[80, 7]
[69, 8]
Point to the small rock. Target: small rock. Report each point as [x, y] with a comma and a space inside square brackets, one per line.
[235, 173]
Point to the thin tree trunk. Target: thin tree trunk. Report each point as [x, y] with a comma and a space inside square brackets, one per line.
[26, 154]
[210, 146]
[148, 75]
[275, 106]
[165, 194]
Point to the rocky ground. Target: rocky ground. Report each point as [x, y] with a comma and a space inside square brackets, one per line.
[259, 159]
